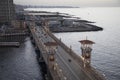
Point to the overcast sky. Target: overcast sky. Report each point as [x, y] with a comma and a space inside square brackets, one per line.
[70, 2]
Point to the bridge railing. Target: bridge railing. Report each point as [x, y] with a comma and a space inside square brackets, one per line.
[92, 71]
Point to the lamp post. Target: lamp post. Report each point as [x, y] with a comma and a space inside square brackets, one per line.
[86, 47]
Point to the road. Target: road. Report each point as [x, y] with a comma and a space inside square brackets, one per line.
[68, 66]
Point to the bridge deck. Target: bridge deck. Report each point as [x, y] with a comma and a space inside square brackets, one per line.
[68, 65]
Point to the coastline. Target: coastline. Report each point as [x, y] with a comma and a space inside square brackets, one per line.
[61, 22]
[76, 29]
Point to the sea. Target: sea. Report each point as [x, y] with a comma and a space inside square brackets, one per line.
[20, 63]
[106, 50]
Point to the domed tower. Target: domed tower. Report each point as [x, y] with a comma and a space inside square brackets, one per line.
[51, 47]
[86, 48]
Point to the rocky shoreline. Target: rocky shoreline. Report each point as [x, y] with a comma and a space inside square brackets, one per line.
[62, 22]
[65, 29]
[76, 29]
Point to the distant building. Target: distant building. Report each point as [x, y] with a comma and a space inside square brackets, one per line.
[7, 11]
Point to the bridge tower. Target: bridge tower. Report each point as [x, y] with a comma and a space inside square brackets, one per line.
[51, 47]
[86, 48]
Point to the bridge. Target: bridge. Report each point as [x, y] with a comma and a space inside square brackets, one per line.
[62, 62]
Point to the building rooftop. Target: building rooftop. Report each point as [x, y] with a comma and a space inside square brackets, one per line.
[86, 42]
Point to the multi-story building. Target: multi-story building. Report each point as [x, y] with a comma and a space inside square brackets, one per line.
[7, 11]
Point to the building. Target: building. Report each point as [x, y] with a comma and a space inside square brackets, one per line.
[7, 11]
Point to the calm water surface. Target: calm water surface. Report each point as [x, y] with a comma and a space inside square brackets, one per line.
[19, 63]
[106, 51]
